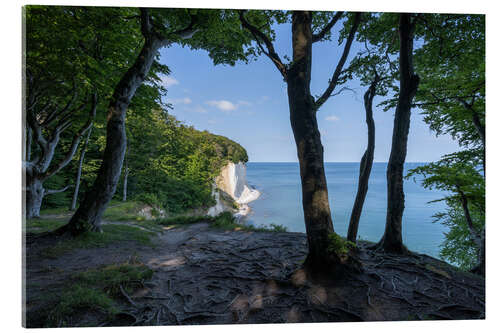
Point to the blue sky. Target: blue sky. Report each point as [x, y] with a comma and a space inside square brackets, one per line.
[248, 104]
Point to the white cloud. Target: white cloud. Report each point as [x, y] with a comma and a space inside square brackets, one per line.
[168, 81]
[332, 118]
[223, 105]
[211, 121]
[185, 100]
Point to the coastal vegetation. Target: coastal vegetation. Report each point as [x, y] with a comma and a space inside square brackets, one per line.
[98, 122]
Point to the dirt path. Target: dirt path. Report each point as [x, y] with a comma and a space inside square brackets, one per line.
[207, 276]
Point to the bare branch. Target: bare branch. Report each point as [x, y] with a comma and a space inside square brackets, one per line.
[76, 141]
[260, 36]
[320, 35]
[57, 191]
[338, 70]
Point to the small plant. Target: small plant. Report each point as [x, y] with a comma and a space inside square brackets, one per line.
[338, 245]
[277, 228]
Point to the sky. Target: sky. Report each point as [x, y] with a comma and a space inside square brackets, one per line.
[248, 103]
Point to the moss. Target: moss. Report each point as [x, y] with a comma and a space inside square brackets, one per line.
[338, 245]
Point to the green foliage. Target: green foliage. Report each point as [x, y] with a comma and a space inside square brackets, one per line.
[173, 166]
[461, 177]
[458, 247]
[338, 245]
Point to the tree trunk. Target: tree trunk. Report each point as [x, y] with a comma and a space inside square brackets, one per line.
[125, 179]
[34, 194]
[79, 172]
[88, 215]
[477, 238]
[315, 203]
[365, 166]
[392, 239]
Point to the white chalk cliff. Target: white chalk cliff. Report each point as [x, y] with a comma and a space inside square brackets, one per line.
[232, 181]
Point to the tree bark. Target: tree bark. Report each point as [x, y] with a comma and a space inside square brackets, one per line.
[315, 203]
[392, 239]
[366, 164]
[88, 216]
[34, 193]
[125, 178]
[79, 171]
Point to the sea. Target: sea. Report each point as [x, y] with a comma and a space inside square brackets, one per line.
[280, 202]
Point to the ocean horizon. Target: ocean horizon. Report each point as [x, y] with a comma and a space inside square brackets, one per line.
[280, 202]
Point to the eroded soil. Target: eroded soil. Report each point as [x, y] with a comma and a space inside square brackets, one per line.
[207, 276]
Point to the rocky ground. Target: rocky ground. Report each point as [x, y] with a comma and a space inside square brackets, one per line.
[207, 276]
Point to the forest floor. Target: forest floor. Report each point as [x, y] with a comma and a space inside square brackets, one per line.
[195, 274]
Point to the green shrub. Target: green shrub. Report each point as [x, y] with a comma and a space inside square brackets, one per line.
[338, 245]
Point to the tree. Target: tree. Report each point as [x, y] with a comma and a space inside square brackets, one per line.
[303, 107]
[451, 63]
[79, 171]
[459, 175]
[365, 166]
[71, 53]
[408, 83]
[53, 120]
[159, 28]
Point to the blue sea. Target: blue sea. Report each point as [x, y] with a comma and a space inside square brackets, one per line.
[281, 202]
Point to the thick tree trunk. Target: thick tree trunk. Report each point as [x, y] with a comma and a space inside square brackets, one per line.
[365, 166]
[34, 195]
[88, 215]
[79, 171]
[315, 203]
[392, 239]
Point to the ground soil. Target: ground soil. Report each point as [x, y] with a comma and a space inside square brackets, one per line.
[208, 276]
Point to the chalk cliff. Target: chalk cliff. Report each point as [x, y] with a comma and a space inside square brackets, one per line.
[232, 183]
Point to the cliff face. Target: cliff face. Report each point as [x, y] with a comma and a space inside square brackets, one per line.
[232, 183]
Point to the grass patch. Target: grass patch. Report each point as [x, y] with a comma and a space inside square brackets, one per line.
[124, 211]
[111, 233]
[53, 211]
[110, 278]
[182, 220]
[80, 297]
[97, 290]
[226, 221]
[38, 225]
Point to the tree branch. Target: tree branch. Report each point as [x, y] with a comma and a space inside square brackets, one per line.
[320, 35]
[260, 36]
[57, 191]
[338, 70]
[76, 141]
